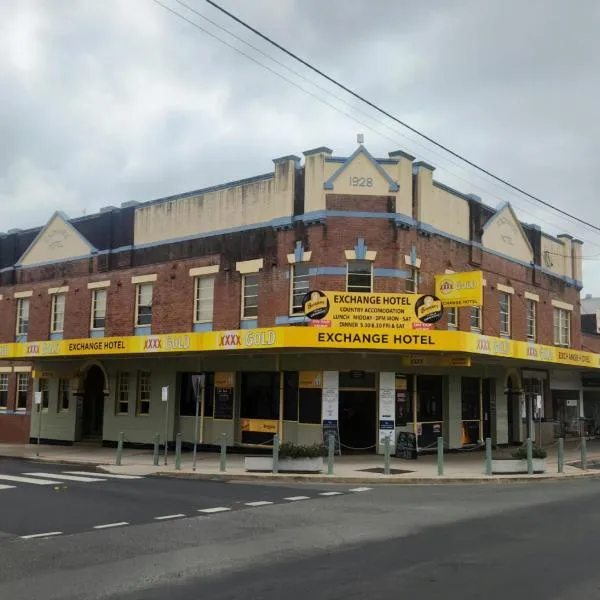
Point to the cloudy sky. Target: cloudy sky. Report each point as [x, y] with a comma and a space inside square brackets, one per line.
[105, 101]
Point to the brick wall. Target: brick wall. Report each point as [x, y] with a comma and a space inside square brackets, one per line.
[14, 428]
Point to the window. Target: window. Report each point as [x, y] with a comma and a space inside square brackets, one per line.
[43, 388]
[144, 391]
[359, 276]
[22, 389]
[562, 327]
[123, 393]
[98, 309]
[412, 281]
[475, 318]
[204, 293]
[3, 390]
[531, 324]
[504, 313]
[22, 316]
[190, 392]
[453, 318]
[300, 285]
[143, 305]
[290, 395]
[63, 394]
[250, 296]
[57, 322]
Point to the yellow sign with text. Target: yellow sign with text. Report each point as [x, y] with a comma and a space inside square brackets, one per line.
[436, 361]
[310, 380]
[259, 425]
[460, 289]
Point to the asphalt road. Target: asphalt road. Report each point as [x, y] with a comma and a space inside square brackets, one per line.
[487, 541]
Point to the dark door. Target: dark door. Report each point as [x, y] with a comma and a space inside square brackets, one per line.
[93, 403]
[358, 427]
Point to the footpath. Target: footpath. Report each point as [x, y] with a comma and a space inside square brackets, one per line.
[464, 467]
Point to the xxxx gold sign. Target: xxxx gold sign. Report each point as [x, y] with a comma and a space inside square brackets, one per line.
[460, 289]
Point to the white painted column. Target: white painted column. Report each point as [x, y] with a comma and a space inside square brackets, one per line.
[386, 415]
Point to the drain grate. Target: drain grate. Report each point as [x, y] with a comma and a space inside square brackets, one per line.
[380, 470]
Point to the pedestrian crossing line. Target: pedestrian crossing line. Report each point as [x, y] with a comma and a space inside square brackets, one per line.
[295, 498]
[79, 478]
[19, 479]
[7, 487]
[41, 535]
[216, 509]
[360, 489]
[104, 475]
[167, 517]
[109, 525]
[330, 493]
[258, 503]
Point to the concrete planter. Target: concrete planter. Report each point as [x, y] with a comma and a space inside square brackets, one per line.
[517, 465]
[286, 465]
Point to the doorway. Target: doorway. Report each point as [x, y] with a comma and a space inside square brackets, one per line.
[358, 412]
[93, 404]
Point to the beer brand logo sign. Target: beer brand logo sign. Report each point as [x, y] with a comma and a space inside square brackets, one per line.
[230, 339]
[33, 349]
[483, 345]
[152, 344]
[532, 352]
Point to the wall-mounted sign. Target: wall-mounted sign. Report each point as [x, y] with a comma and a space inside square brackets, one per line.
[436, 361]
[225, 379]
[460, 289]
[310, 379]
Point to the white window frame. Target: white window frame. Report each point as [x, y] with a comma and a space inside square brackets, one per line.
[98, 312]
[506, 295]
[44, 388]
[359, 289]
[64, 392]
[299, 286]
[21, 388]
[561, 322]
[531, 319]
[245, 278]
[140, 301]
[144, 393]
[475, 323]
[57, 315]
[452, 313]
[122, 395]
[411, 283]
[4, 390]
[205, 315]
[22, 325]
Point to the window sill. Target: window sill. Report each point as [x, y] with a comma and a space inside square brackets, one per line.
[202, 326]
[56, 336]
[143, 330]
[475, 329]
[21, 338]
[249, 323]
[96, 333]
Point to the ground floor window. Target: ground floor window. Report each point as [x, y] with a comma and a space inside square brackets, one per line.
[43, 388]
[190, 392]
[144, 392]
[259, 406]
[3, 390]
[63, 394]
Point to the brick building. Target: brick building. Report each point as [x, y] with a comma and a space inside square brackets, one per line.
[109, 314]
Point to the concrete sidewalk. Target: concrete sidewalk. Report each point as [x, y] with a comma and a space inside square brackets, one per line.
[466, 467]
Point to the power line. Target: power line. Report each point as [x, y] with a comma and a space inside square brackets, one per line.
[396, 119]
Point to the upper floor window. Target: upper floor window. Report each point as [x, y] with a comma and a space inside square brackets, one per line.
[562, 327]
[98, 309]
[359, 277]
[204, 293]
[531, 320]
[300, 276]
[250, 296]
[45, 394]
[143, 305]
[3, 390]
[452, 317]
[412, 281]
[22, 390]
[22, 316]
[476, 318]
[57, 320]
[63, 394]
[504, 313]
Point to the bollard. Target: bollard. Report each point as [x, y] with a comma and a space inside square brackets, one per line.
[488, 456]
[583, 453]
[561, 455]
[275, 453]
[330, 453]
[178, 452]
[529, 456]
[223, 461]
[120, 449]
[156, 449]
[386, 455]
[440, 456]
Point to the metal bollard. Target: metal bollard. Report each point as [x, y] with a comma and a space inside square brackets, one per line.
[223, 461]
[156, 449]
[561, 455]
[120, 449]
[529, 456]
[440, 456]
[275, 453]
[330, 454]
[488, 456]
[386, 455]
[583, 453]
[178, 452]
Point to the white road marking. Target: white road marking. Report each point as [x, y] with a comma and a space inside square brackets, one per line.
[19, 479]
[258, 503]
[105, 475]
[330, 493]
[294, 498]
[360, 489]
[79, 478]
[216, 509]
[165, 517]
[7, 487]
[40, 535]
[108, 525]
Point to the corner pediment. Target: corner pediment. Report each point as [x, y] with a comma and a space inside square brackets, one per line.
[57, 241]
[503, 234]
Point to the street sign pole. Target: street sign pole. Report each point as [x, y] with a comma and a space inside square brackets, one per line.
[38, 403]
[165, 399]
[199, 401]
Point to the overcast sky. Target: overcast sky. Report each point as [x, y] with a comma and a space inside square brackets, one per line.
[104, 101]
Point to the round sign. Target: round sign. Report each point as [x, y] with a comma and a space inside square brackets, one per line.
[429, 309]
[315, 305]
